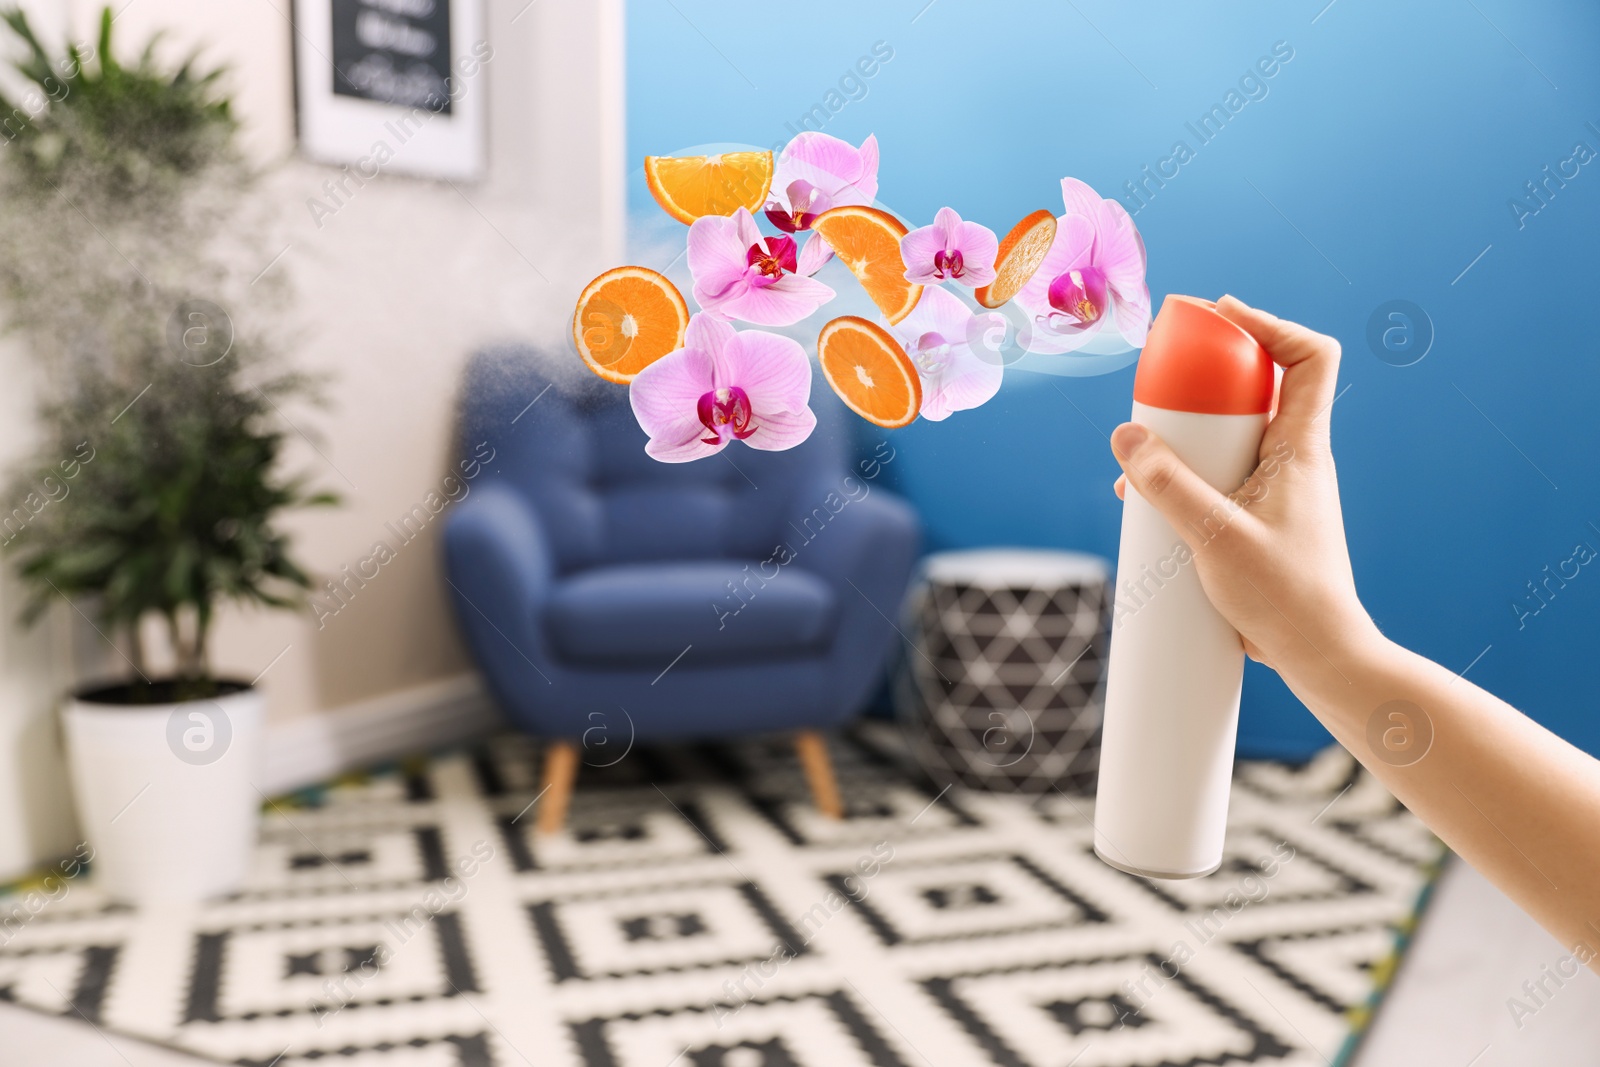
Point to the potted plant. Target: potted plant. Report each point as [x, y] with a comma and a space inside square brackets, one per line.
[156, 491]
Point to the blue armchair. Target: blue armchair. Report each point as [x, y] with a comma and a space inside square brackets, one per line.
[600, 590]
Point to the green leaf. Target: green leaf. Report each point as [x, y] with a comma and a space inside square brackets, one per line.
[179, 509]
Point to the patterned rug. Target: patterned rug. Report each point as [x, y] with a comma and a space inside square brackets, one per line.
[698, 913]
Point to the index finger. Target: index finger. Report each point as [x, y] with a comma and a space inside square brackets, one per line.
[1310, 360]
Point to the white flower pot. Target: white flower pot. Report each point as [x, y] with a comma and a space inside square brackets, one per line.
[166, 793]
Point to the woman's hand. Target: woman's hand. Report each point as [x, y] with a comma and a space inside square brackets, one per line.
[1272, 555]
[1516, 801]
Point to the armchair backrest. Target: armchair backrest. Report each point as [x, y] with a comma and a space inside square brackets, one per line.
[578, 455]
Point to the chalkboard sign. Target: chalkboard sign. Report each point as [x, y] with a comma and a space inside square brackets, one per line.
[392, 86]
[393, 52]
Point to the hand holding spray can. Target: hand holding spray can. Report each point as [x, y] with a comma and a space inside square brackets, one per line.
[1172, 689]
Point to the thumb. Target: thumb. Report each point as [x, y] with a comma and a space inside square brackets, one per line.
[1184, 499]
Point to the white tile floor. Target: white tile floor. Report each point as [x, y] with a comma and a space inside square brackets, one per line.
[34, 1040]
[1448, 1007]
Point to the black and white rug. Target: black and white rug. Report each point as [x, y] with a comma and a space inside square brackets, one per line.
[698, 913]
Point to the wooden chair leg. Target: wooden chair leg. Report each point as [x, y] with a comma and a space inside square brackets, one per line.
[818, 765]
[560, 771]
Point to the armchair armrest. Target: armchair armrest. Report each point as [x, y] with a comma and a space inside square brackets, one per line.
[500, 569]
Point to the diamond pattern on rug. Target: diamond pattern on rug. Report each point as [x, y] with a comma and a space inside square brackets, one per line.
[814, 1029]
[1018, 1014]
[628, 832]
[962, 897]
[697, 911]
[652, 929]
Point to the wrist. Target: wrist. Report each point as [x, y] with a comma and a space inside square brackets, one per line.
[1337, 663]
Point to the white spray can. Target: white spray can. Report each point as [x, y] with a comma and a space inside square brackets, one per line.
[1172, 688]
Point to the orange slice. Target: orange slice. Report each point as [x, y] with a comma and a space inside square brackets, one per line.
[1023, 249]
[627, 319]
[867, 241]
[870, 371]
[691, 187]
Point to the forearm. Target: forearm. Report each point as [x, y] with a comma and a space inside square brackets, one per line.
[1513, 799]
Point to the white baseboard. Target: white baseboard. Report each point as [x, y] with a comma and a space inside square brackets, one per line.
[313, 749]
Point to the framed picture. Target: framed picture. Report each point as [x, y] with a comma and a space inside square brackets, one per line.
[392, 85]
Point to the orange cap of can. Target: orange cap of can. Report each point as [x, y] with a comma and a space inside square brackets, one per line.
[1196, 360]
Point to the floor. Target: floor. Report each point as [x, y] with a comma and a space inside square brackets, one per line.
[1449, 1005]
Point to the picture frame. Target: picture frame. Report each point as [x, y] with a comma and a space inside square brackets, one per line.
[392, 86]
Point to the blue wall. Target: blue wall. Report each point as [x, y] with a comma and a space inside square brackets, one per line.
[1378, 165]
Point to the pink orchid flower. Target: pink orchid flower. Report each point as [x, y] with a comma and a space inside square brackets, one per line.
[724, 385]
[1093, 275]
[741, 275]
[950, 250]
[815, 172]
[956, 353]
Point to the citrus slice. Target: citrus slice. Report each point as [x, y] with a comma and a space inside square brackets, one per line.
[867, 241]
[691, 187]
[627, 319]
[1023, 249]
[870, 371]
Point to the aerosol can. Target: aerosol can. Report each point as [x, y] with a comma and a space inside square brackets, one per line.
[1172, 689]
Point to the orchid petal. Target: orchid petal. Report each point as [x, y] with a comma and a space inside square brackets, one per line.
[783, 303]
[726, 285]
[821, 152]
[717, 249]
[967, 382]
[866, 184]
[1118, 251]
[663, 451]
[773, 370]
[1133, 318]
[979, 248]
[711, 335]
[1057, 333]
[1121, 252]
[802, 195]
[938, 312]
[1124, 262]
[777, 430]
[1071, 248]
[1051, 332]
[947, 225]
[929, 251]
[1082, 292]
[780, 217]
[954, 351]
[1068, 330]
[771, 256]
[845, 175]
[782, 248]
[917, 250]
[806, 202]
[1079, 198]
[664, 397]
[814, 255]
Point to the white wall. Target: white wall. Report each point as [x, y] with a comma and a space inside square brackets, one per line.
[392, 294]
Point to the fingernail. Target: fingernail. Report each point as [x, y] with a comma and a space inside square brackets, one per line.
[1126, 439]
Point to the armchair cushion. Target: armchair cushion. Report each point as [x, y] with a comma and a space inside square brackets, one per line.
[644, 614]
